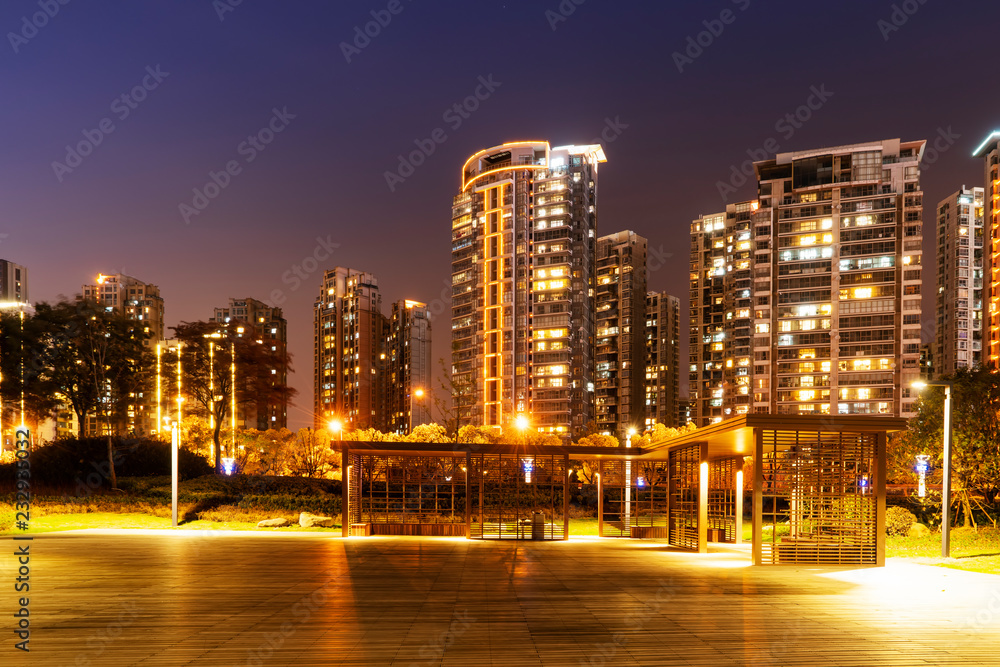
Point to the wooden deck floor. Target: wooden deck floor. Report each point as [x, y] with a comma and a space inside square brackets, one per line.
[238, 599]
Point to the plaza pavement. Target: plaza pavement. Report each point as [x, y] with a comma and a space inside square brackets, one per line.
[213, 598]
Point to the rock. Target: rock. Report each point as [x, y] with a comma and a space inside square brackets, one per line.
[274, 523]
[918, 530]
[307, 520]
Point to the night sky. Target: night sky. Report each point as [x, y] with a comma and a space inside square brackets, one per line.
[564, 76]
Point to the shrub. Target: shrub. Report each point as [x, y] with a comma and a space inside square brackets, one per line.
[898, 521]
[83, 462]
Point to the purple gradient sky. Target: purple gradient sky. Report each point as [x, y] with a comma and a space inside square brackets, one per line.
[323, 176]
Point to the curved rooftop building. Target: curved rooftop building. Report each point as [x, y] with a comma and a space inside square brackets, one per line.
[524, 235]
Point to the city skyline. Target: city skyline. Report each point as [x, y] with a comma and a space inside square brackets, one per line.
[316, 193]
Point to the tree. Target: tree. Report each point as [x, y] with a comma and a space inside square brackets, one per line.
[450, 400]
[25, 367]
[65, 352]
[429, 433]
[207, 374]
[311, 455]
[975, 465]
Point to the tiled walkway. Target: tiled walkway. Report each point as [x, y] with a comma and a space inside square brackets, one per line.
[155, 598]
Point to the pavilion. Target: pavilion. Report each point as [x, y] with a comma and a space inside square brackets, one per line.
[818, 488]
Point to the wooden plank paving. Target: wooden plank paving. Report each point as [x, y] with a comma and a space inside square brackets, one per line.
[156, 598]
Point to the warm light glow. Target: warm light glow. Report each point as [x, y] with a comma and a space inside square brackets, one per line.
[919, 384]
[419, 393]
[521, 422]
[335, 425]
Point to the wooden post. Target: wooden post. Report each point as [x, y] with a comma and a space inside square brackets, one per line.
[880, 472]
[739, 500]
[600, 498]
[468, 497]
[669, 491]
[566, 496]
[758, 496]
[703, 500]
[345, 490]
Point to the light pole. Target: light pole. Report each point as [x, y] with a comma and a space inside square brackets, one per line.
[416, 395]
[337, 427]
[521, 423]
[946, 466]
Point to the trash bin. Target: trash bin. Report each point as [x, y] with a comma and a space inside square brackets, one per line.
[538, 526]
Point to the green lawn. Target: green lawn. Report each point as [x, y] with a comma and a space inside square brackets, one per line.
[56, 522]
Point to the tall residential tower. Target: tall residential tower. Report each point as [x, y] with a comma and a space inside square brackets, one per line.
[621, 333]
[958, 341]
[349, 358]
[524, 233]
[807, 301]
[989, 150]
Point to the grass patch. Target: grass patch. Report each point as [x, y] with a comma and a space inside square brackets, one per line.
[972, 550]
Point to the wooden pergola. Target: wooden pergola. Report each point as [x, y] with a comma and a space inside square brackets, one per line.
[818, 488]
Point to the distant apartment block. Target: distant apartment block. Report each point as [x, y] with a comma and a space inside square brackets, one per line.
[13, 283]
[959, 335]
[408, 385]
[350, 354]
[267, 326]
[721, 314]
[621, 333]
[141, 302]
[523, 278]
[662, 376]
[989, 151]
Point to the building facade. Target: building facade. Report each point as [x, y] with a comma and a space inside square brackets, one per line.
[267, 326]
[808, 300]
[523, 266]
[13, 283]
[350, 354]
[721, 314]
[408, 383]
[989, 151]
[663, 372]
[141, 302]
[837, 280]
[958, 341]
[620, 354]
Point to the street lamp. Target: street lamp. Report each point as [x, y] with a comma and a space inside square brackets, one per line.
[416, 395]
[337, 426]
[521, 423]
[946, 472]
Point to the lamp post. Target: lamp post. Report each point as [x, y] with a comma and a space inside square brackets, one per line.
[416, 395]
[521, 423]
[946, 465]
[337, 427]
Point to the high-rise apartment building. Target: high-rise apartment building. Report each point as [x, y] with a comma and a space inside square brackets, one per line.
[662, 380]
[523, 262]
[408, 383]
[13, 283]
[620, 354]
[989, 150]
[837, 280]
[350, 355]
[958, 340]
[267, 326]
[130, 297]
[721, 313]
[810, 296]
[141, 302]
